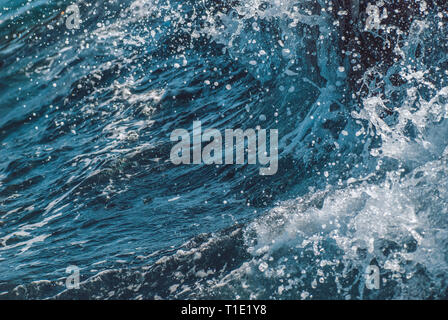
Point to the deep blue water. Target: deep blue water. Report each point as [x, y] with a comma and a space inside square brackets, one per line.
[86, 179]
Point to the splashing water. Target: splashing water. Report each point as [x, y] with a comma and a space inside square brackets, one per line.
[358, 93]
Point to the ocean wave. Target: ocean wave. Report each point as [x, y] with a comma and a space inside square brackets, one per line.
[357, 91]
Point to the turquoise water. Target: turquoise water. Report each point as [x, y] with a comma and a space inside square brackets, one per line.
[357, 93]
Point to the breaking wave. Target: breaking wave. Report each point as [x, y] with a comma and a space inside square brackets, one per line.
[358, 92]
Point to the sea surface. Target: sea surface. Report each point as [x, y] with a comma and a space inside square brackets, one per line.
[357, 91]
